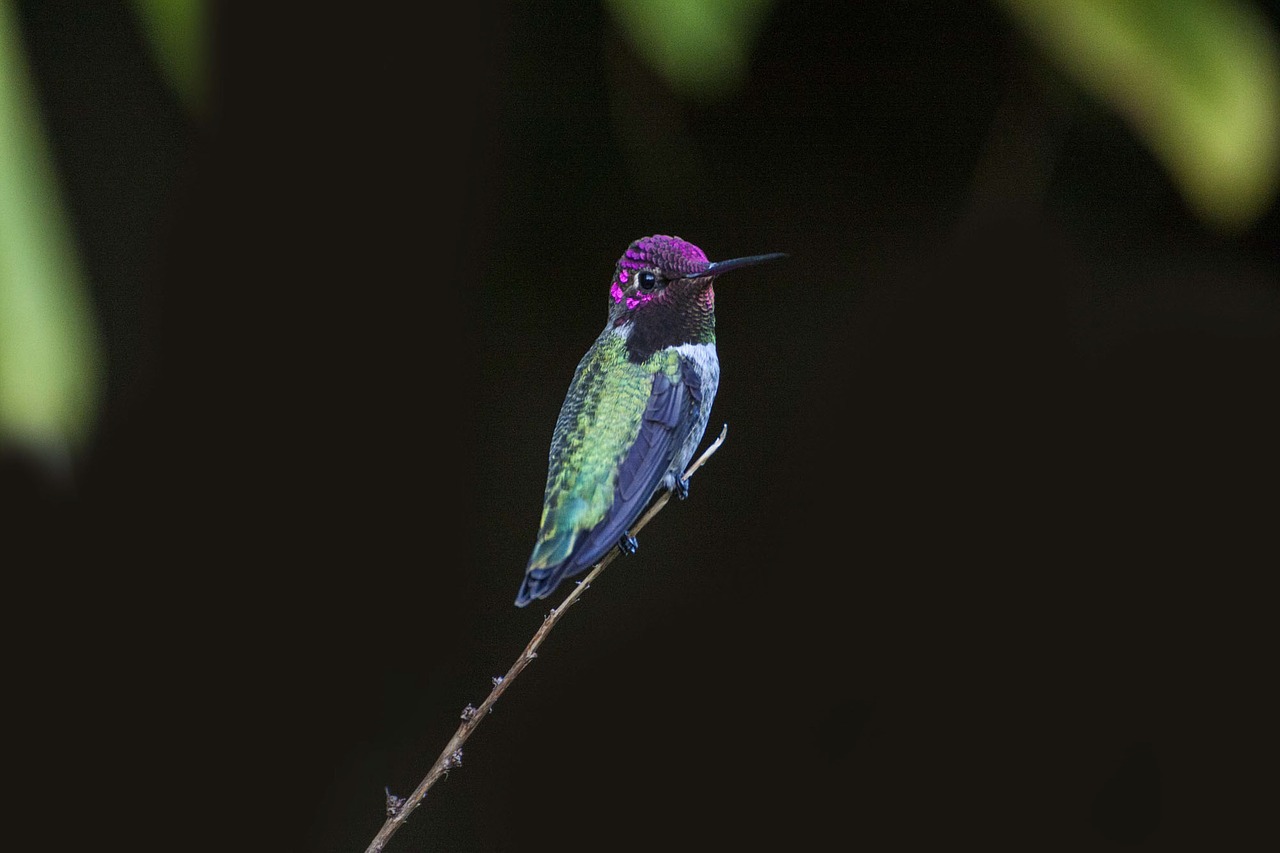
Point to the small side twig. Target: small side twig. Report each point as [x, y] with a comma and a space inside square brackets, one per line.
[398, 810]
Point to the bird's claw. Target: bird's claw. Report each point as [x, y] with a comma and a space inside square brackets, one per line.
[628, 544]
[682, 488]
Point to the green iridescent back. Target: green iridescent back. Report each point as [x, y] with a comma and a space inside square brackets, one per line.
[597, 427]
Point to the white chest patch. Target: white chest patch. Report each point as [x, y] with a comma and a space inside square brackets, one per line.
[707, 365]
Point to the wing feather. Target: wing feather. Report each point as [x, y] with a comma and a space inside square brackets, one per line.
[622, 425]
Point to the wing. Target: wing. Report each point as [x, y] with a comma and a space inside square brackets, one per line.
[616, 439]
[667, 420]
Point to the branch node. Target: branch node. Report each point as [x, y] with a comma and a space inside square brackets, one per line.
[531, 655]
[454, 760]
[468, 712]
[498, 679]
[394, 803]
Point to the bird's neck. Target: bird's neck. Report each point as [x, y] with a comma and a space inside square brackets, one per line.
[678, 317]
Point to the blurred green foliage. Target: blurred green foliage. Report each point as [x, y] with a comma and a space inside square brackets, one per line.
[1197, 80]
[701, 47]
[177, 30]
[49, 356]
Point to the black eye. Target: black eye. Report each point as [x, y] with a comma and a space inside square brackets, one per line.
[648, 281]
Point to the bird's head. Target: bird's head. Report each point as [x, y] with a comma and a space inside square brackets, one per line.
[662, 292]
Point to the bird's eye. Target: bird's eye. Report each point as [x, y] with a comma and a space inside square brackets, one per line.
[647, 280]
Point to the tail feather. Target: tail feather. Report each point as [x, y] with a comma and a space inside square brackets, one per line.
[542, 581]
[563, 556]
[539, 583]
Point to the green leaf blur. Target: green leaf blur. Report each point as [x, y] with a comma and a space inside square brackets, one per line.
[49, 362]
[176, 30]
[1197, 80]
[701, 47]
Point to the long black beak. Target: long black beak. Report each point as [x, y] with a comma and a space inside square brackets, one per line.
[737, 263]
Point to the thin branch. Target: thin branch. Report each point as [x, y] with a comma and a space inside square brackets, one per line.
[398, 810]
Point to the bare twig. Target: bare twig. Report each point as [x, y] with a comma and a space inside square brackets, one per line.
[398, 810]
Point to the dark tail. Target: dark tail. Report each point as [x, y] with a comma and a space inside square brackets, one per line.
[540, 583]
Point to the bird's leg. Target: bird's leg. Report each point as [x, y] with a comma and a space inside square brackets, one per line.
[681, 488]
[628, 544]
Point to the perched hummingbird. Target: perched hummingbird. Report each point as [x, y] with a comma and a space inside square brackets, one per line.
[635, 411]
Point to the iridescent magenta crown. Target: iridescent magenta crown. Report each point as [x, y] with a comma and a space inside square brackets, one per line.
[669, 254]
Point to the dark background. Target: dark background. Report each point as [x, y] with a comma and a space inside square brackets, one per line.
[984, 557]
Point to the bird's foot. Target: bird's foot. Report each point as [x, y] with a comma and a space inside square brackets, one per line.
[628, 544]
[682, 488]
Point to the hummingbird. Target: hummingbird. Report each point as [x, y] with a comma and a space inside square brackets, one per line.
[636, 409]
